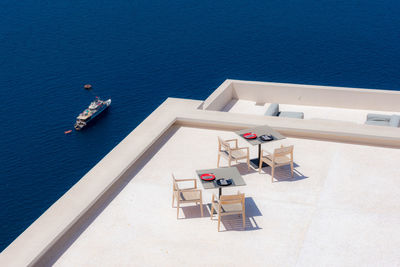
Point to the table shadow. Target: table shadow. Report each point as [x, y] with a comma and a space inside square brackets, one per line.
[193, 212]
[243, 170]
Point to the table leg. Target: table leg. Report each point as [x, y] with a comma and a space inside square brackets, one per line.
[256, 162]
[220, 192]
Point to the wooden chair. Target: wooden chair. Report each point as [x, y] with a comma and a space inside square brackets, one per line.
[232, 154]
[186, 195]
[277, 159]
[228, 205]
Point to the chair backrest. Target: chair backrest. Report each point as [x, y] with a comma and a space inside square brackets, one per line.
[222, 145]
[283, 151]
[232, 199]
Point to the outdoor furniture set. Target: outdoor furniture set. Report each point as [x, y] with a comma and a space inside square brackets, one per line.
[372, 118]
[230, 176]
[383, 120]
[210, 179]
[258, 136]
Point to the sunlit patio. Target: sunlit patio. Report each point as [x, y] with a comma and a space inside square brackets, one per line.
[310, 112]
[342, 208]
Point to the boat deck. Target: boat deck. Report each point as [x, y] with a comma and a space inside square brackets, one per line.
[84, 117]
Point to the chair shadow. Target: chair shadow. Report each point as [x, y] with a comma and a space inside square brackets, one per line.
[283, 174]
[235, 222]
[193, 212]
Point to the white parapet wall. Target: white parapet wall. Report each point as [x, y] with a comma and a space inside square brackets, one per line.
[297, 94]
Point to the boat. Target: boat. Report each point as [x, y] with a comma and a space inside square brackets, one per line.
[95, 108]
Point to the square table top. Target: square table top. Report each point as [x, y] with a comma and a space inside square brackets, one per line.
[260, 130]
[226, 172]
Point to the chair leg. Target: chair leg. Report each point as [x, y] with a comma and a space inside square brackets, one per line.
[212, 211]
[291, 166]
[259, 166]
[201, 208]
[248, 163]
[219, 221]
[177, 209]
[244, 220]
[272, 173]
[229, 163]
[219, 158]
[173, 199]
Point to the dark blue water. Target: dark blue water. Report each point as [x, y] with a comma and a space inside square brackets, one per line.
[139, 53]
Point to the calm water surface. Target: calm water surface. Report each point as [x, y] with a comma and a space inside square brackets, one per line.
[139, 52]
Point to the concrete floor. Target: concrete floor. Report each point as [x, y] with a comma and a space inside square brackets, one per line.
[310, 112]
[341, 209]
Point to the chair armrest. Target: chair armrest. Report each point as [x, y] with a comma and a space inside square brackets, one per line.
[240, 148]
[233, 140]
[188, 180]
[185, 180]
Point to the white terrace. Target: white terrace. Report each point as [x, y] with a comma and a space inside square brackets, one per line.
[342, 208]
[316, 102]
[310, 112]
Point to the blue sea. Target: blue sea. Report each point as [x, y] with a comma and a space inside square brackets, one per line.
[139, 52]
